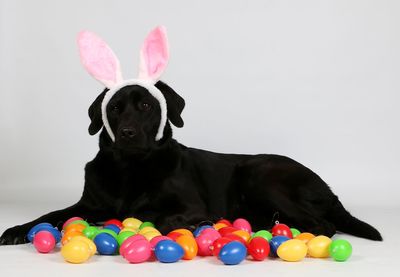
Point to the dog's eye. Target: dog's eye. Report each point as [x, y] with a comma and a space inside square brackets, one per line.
[145, 106]
[115, 108]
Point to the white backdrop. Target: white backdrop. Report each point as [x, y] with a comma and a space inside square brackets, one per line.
[314, 80]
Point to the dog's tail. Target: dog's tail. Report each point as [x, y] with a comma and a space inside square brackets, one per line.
[347, 223]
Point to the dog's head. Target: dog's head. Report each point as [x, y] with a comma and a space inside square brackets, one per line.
[134, 116]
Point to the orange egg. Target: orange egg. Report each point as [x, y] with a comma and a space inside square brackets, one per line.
[75, 227]
[183, 232]
[218, 226]
[243, 234]
[69, 235]
[189, 245]
[305, 237]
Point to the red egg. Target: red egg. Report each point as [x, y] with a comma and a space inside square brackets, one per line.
[226, 230]
[115, 222]
[218, 244]
[258, 248]
[282, 230]
[235, 237]
[225, 221]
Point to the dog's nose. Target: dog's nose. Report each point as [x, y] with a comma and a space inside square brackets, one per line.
[128, 132]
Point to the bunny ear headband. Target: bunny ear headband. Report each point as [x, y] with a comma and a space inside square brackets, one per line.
[101, 62]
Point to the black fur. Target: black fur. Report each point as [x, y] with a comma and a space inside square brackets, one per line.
[175, 186]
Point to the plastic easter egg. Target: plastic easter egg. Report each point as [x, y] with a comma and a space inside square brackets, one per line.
[233, 253]
[183, 232]
[264, 234]
[138, 251]
[218, 244]
[69, 235]
[132, 223]
[281, 230]
[155, 240]
[235, 237]
[37, 228]
[76, 252]
[168, 251]
[150, 235]
[44, 241]
[276, 242]
[258, 248]
[115, 222]
[146, 224]
[174, 235]
[107, 231]
[148, 229]
[127, 242]
[200, 229]
[71, 220]
[113, 227]
[123, 236]
[225, 221]
[75, 227]
[226, 230]
[189, 245]
[243, 234]
[214, 234]
[340, 250]
[292, 250]
[305, 237]
[242, 224]
[204, 243]
[90, 243]
[318, 247]
[218, 226]
[106, 244]
[295, 232]
[125, 229]
[90, 232]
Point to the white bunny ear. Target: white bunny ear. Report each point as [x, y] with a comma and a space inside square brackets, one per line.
[154, 55]
[98, 59]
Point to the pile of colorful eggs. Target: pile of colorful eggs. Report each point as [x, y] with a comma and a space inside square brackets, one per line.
[138, 242]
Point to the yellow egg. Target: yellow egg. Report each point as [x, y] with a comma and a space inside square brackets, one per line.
[132, 222]
[90, 243]
[76, 252]
[151, 234]
[218, 226]
[147, 229]
[128, 229]
[292, 250]
[318, 247]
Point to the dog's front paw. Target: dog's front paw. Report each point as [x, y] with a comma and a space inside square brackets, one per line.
[14, 235]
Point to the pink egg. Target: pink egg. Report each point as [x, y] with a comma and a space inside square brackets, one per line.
[138, 251]
[70, 220]
[214, 234]
[242, 224]
[157, 239]
[126, 244]
[204, 243]
[44, 241]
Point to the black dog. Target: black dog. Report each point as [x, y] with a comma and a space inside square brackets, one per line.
[175, 186]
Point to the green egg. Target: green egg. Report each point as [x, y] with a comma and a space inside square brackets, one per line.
[295, 232]
[340, 250]
[264, 234]
[123, 236]
[90, 232]
[107, 231]
[146, 224]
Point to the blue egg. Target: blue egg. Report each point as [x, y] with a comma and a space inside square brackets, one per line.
[37, 228]
[168, 251]
[276, 242]
[233, 253]
[113, 227]
[198, 230]
[106, 244]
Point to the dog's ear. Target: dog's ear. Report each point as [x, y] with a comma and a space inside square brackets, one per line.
[95, 114]
[175, 103]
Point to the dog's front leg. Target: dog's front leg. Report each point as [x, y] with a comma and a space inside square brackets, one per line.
[17, 234]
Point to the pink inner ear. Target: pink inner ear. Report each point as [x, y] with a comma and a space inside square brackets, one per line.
[98, 59]
[154, 54]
